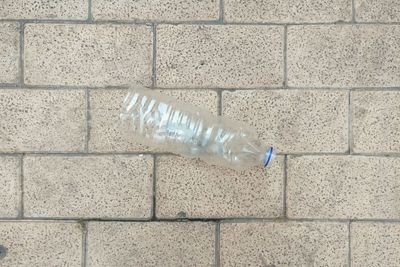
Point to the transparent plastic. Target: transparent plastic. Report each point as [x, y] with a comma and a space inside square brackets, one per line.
[164, 123]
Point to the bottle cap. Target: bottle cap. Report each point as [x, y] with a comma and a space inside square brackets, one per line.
[268, 156]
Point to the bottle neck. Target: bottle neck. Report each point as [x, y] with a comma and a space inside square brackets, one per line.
[268, 156]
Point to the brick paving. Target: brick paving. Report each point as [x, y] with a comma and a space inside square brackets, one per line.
[320, 80]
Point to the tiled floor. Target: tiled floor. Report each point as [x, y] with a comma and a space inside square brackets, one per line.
[319, 80]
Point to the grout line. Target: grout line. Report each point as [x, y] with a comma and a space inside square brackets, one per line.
[154, 199]
[350, 125]
[87, 136]
[140, 153]
[154, 59]
[90, 16]
[214, 220]
[316, 220]
[353, 12]
[197, 88]
[84, 242]
[221, 11]
[218, 244]
[109, 219]
[9, 85]
[367, 89]
[79, 154]
[285, 187]
[21, 174]
[195, 22]
[285, 76]
[394, 154]
[21, 54]
[64, 87]
[349, 244]
[219, 104]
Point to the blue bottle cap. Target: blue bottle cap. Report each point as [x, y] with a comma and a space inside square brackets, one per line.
[268, 156]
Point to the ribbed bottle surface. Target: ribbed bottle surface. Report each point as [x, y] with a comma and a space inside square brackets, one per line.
[162, 122]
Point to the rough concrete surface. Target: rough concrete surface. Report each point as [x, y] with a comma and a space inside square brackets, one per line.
[9, 52]
[318, 80]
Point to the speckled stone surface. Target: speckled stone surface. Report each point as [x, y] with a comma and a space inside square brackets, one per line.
[227, 56]
[293, 121]
[37, 244]
[10, 187]
[284, 11]
[43, 9]
[377, 10]
[318, 80]
[87, 55]
[344, 55]
[194, 189]
[155, 10]
[108, 134]
[42, 120]
[9, 52]
[375, 244]
[284, 244]
[88, 186]
[376, 122]
[166, 244]
[345, 187]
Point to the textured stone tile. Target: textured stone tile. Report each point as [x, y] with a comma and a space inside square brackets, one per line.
[107, 134]
[284, 244]
[166, 244]
[10, 187]
[43, 9]
[87, 55]
[377, 10]
[9, 52]
[42, 120]
[36, 244]
[344, 55]
[376, 122]
[283, 11]
[88, 186]
[219, 56]
[375, 244]
[293, 121]
[155, 10]
[194, 189]
[345, 187]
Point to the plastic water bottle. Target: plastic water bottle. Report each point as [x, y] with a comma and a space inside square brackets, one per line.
[162, 122]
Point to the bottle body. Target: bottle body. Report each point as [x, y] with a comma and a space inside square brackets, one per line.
[162, 122]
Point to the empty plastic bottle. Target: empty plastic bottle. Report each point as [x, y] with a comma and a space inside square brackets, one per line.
[162, 122]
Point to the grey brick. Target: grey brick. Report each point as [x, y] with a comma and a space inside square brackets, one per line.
[156, 10]
[376, 122]
[283, 11]
[344, 55]
[284, 244]
[107, 134]
[115, 244]
[9, 52]
[375, 244]
[10, 189]
[377, 10]
[345, 187]
[88, 186]
[219, 56]
[293, 121]
[42, 120]
[43, 9]
[37, 244]
[87, 55]
[194, 189]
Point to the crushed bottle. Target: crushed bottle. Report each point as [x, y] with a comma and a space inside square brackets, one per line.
[164, 123]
